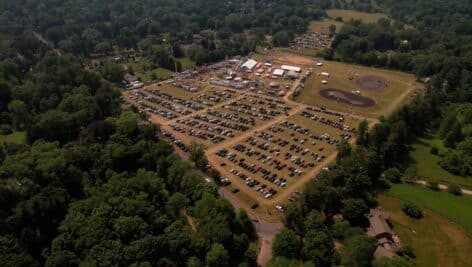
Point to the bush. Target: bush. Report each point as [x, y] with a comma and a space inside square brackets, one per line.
[433, 185]
[454, 189]
[412, 210]
[5, 129]
[393, 175]
[434, 150]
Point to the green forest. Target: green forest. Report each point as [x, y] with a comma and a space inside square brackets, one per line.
[93, 185]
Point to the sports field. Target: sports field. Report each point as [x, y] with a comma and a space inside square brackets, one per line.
[387, 89]
[435, 240]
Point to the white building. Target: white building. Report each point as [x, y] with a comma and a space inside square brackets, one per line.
[288, 68]
[278, 72]
[249, 65]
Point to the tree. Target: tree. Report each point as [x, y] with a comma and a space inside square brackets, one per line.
[281, 39]
[332, 29]
[355, 211]
[286, 244]
[197, 155]
[454, 189]
[127, 124]
[318, 248]
[112, 72]
[217, 256]
[393, 175]
[20, 113]
[344, 149]
[358, 251]
[396, 261]
[362, 133]
[284, 262]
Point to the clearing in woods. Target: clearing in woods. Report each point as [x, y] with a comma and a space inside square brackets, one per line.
[265, 143]
[347, 15]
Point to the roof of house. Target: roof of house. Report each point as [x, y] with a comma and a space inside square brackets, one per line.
[287, 67]
[383, 252]
[278, 72]
[378, 223]
[249, 64]
[292, 73]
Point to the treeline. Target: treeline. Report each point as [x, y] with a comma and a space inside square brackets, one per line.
[455, 130]
[233, 27]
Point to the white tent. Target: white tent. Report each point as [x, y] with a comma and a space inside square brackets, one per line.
[288, 68]
[324, 73]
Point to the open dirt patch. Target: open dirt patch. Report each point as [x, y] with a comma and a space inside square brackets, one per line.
[372, 82]
[347, 97]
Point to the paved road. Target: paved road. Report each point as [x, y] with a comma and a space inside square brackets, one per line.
[265, 230]
[444, 187]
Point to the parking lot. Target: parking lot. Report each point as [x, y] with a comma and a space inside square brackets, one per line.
[264, 146]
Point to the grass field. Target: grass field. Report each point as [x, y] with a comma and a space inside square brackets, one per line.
[347, 15]
[16, 137]
[143, 70]
[454, 208]
[435, 240]
[186, 62]
[323, 25]
[427, 163]
[387, 99]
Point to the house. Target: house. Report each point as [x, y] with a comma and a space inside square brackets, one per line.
[289, 68]
[278, 72]
[129, 79]
[249, 65]
[380, 229]
[291, 74]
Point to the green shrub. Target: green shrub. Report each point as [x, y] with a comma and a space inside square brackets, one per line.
[454, 189]
[434, 150]
[393, 175]
[433, 185]
[412, 210]
[5, 129]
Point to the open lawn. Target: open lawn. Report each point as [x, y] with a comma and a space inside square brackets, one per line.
[322, 25]
[144, 70]
[186, 62]
[346, 77]
[15, 137]
[427, 164]
[454, 208]
[347, 15]
[435, 240]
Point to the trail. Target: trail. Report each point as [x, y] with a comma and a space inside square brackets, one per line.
[43, 40]
[444, 187]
